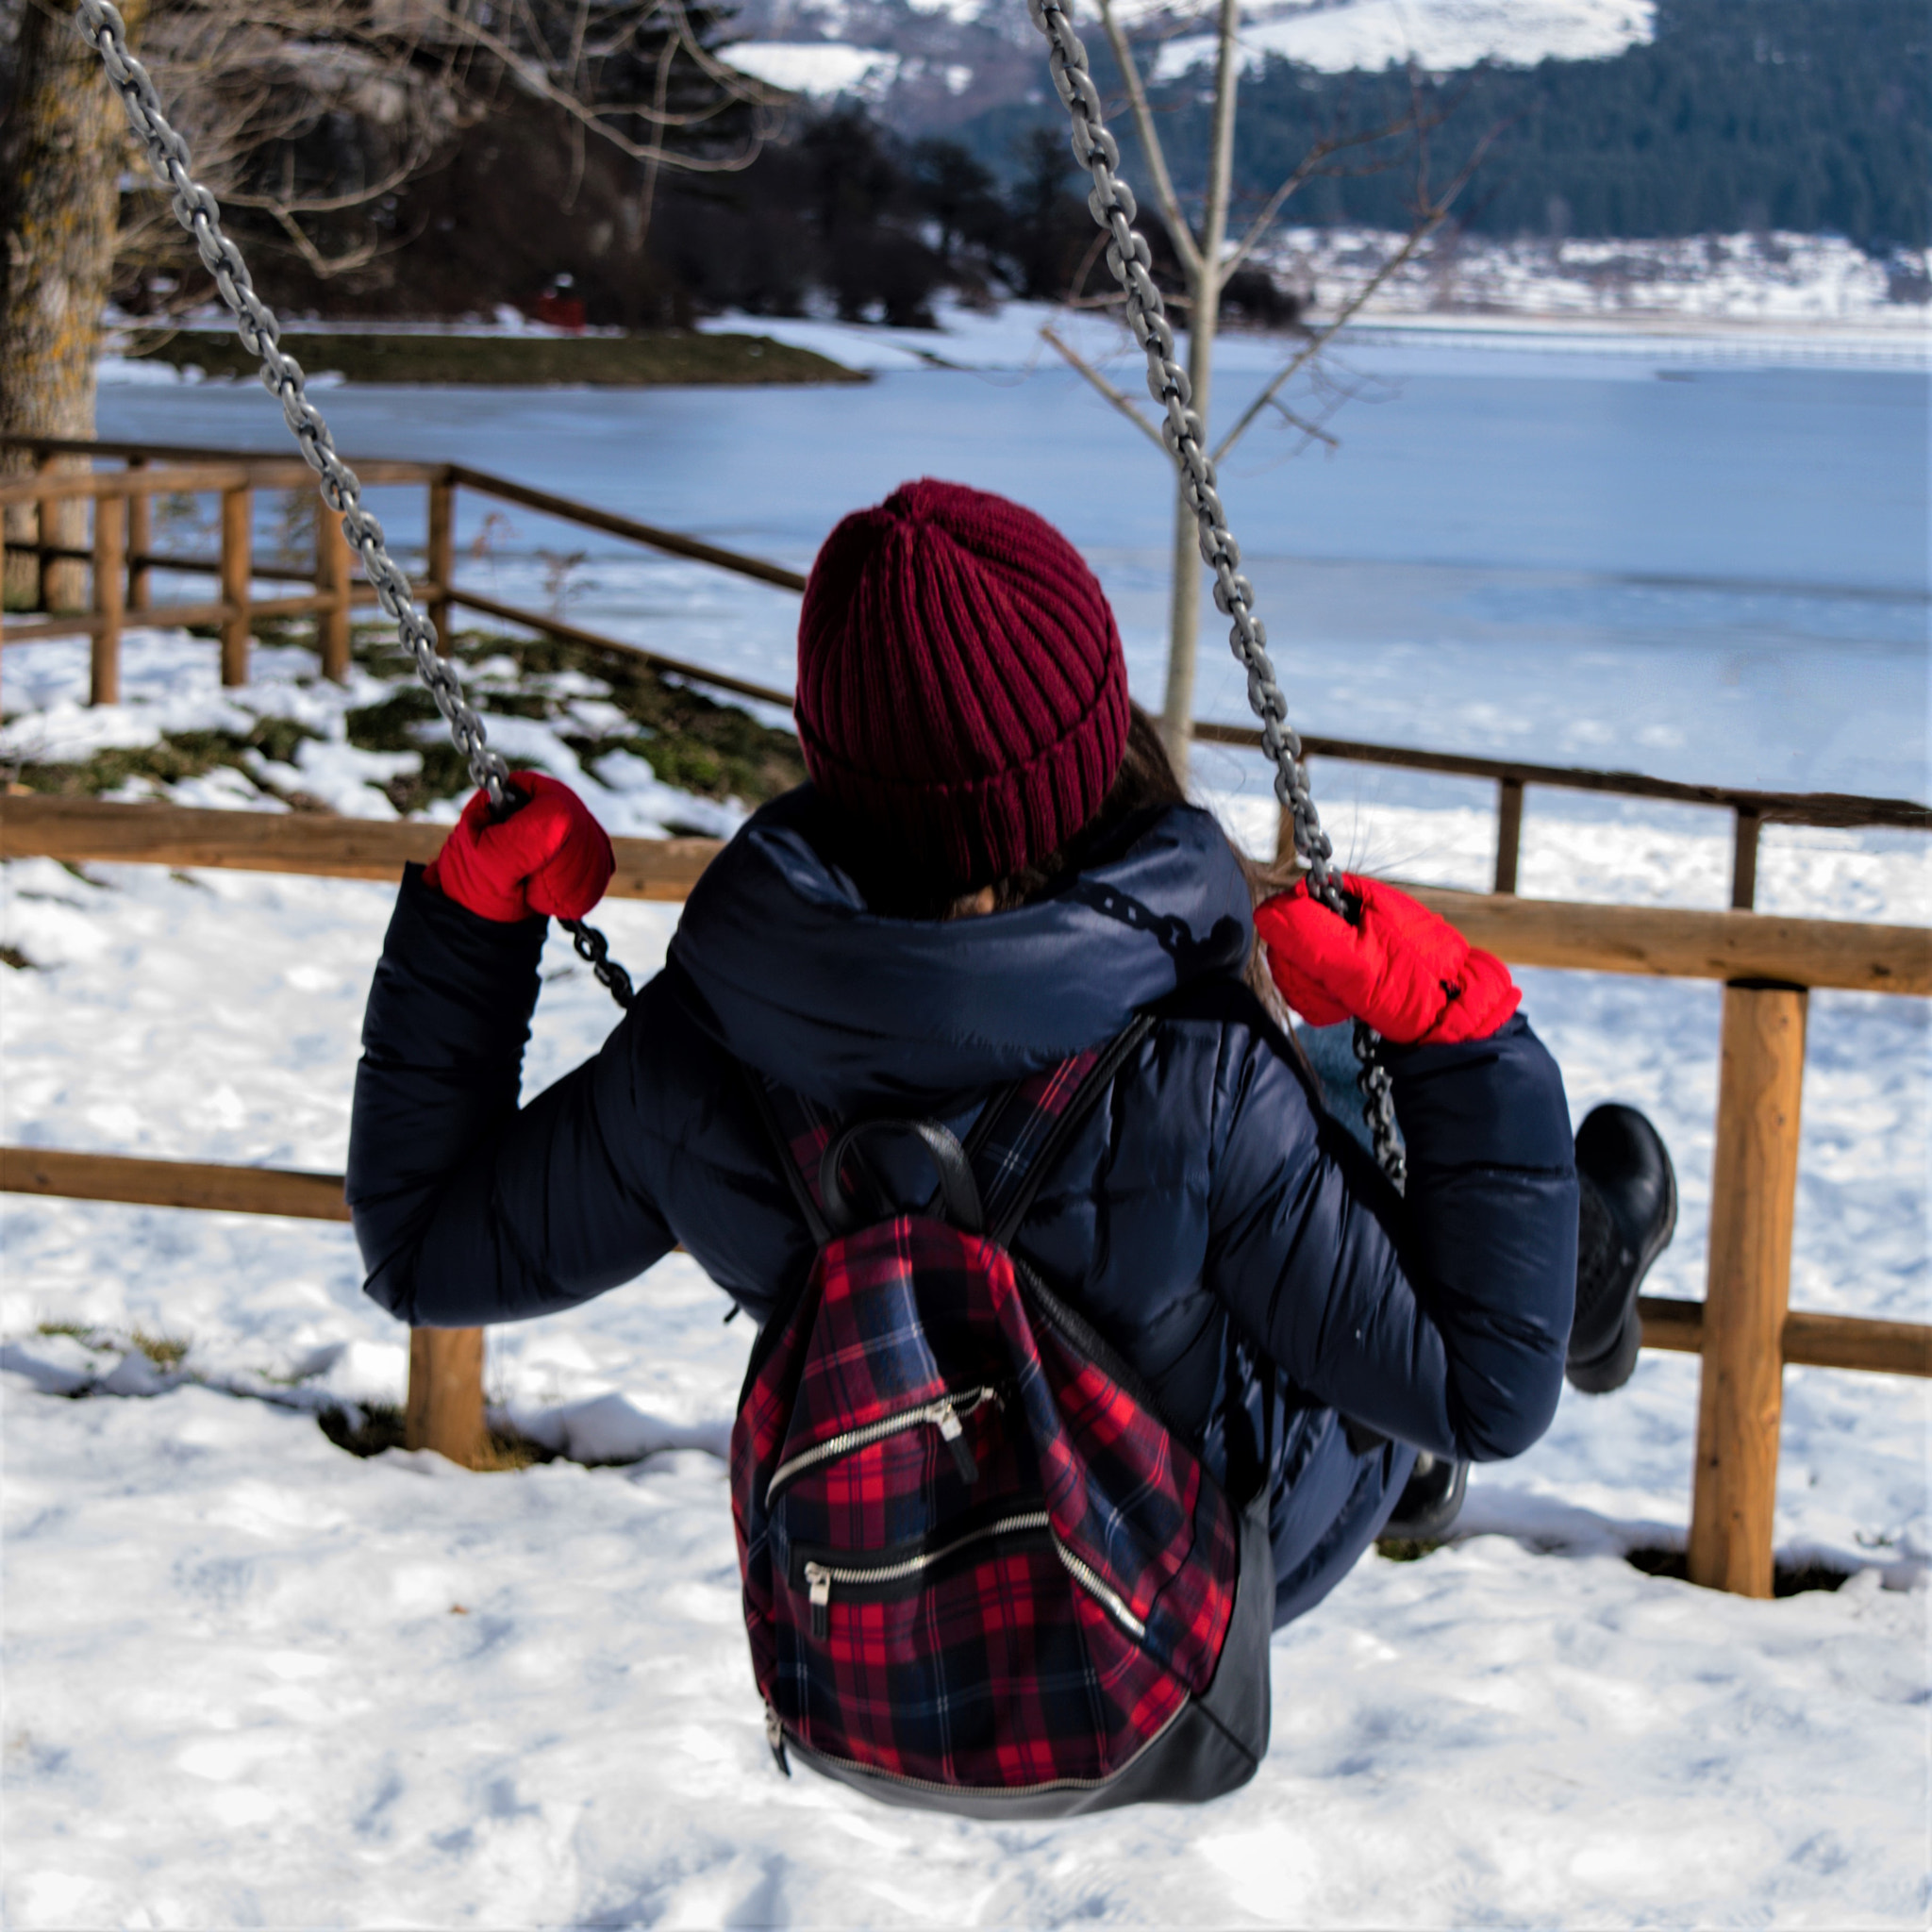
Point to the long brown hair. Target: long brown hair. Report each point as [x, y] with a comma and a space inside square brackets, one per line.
[1144, 785]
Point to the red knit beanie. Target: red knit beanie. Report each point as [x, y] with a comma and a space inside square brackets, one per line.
[960, 679]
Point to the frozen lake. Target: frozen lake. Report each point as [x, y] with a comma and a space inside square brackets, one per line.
[1706, 571]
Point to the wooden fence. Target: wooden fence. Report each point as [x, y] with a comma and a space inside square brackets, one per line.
[1743, 1329]
[123, 560]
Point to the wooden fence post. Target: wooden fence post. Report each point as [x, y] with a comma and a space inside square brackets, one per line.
[441, 561]
[110, 560]
[445, 1408]
[332, 576]
[140, 543]
[1754, 1192]
[1744, 859]
[1508, 832]
[237, 561]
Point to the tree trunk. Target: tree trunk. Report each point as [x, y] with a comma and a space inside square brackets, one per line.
[1203, 319]
[63, 152]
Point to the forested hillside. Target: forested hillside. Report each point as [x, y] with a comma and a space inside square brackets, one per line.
[1797, 115]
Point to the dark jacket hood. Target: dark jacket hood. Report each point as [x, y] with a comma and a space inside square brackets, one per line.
[790, 970]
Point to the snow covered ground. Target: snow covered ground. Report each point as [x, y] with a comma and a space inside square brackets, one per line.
[252, 1680]
[1753, 281]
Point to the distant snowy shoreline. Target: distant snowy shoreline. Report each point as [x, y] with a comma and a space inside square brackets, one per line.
[1772, 298]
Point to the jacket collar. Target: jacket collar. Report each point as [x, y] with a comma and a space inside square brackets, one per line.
[793, 973]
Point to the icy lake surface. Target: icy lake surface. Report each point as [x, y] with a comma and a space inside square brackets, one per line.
[253, 1681]
[1703, 569]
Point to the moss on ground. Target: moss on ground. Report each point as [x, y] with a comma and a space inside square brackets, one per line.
[1405, 1549]
[164, 1351]
[177, 756]
[633, 361]
[690, 740]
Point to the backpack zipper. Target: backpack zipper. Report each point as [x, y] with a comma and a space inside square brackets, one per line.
[819, 1578]
[1096, 1587]
[946, 1415]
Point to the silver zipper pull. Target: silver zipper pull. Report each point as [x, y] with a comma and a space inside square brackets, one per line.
[953, 1434]
[817, 1582]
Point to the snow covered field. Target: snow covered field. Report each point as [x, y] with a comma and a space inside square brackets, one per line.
[254, 1680]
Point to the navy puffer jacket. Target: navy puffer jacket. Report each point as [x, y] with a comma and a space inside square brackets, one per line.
[1210, 1217]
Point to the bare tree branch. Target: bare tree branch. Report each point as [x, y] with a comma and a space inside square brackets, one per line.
[1309, 166]
[1313, 431]
[595, 120]
[1434, 215]
[1168, 201]
[1120, 400]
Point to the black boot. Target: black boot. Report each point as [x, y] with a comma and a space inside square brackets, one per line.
[1431, 1500]
[1626, 1216]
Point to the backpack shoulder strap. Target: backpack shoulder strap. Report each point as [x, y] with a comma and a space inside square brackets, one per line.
[800, 1147]
[1020, 1134]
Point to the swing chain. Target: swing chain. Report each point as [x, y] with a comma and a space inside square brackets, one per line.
[197, 211]
[1113, 207]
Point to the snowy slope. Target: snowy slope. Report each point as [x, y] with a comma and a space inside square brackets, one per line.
[822, 68]
[252, 1680]
[931, 63]
[1437, 35]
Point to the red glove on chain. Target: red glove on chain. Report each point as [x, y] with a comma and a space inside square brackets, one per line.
[1411, 975]
[549, 855]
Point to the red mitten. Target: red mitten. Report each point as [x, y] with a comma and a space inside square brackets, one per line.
[1411, 975]
[548, 856]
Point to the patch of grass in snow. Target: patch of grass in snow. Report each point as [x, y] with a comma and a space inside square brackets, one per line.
[1405, 1549]
[164, 1351]
[691, 741]
[82, 1332]
[172, 757]
[13, 955]
[642, 359]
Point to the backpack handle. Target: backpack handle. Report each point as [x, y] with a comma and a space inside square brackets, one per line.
[958, 1191]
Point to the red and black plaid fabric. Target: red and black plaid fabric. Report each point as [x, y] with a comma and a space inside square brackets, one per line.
[973, 1555]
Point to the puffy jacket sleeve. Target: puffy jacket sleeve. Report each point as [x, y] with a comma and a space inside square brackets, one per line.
[1439, 1317]
[467, 1211]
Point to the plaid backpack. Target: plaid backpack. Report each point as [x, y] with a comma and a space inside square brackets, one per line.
[981, 1574]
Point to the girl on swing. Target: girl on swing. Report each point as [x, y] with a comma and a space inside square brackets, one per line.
[993, 868]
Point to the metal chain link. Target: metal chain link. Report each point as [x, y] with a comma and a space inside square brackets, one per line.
[1113, 207]
[197, 211]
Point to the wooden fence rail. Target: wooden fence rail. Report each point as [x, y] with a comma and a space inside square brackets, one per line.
[1815, 1341]
[1659, 941]
[1743, 1330]
[238, 474]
